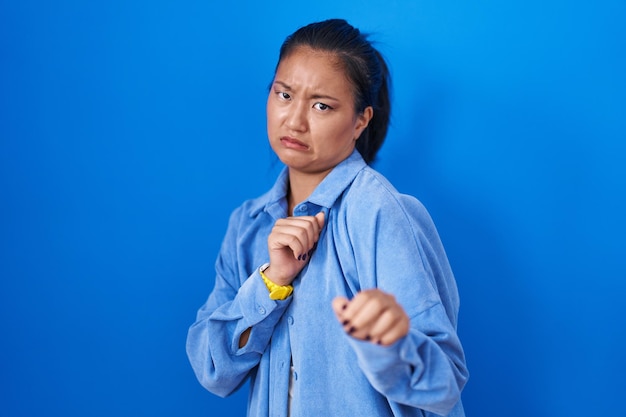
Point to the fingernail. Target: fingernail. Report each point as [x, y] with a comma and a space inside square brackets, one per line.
[344, 306]
[345, 322]
[352, 329]
[304, 257]
[310, 253]
[380, 342]
[299, 257]
[368, 337]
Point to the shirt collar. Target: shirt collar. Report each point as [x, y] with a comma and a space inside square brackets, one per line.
[331, 187]
[325, 194]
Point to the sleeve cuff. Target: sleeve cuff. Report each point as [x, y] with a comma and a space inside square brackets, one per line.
[260, 313]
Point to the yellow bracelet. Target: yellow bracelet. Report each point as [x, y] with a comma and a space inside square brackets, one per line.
[277, 292]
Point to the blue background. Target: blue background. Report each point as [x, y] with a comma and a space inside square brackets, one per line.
[130, 130]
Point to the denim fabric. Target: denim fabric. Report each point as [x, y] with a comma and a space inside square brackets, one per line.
[373, 237]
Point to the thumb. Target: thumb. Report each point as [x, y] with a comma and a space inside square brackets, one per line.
[339, 304]
[320, 217]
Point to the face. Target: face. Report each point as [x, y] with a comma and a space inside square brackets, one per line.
[311, 120]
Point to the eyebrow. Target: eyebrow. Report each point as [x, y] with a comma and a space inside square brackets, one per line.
[314, 96]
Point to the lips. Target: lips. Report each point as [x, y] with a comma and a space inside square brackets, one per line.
[293, 143]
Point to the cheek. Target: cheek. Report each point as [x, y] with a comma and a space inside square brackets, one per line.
[345, 131]
[274, 110]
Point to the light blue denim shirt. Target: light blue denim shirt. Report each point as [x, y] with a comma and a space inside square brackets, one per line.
[373, 237]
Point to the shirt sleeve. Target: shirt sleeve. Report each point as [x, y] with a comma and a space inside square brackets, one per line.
[422, 370]
[398, 250]
[213, 340]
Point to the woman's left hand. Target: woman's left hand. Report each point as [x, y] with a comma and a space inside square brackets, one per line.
[372, 315]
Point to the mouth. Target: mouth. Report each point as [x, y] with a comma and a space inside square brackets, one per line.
[293, 143]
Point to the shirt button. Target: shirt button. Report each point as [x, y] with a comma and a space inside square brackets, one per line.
[295, 375]
[302, 208]
[261, 310]
[290, 320]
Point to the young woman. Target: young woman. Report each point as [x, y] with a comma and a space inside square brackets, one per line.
[333, 295]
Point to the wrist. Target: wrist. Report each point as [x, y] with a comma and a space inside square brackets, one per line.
[273, 274]
[276, 291]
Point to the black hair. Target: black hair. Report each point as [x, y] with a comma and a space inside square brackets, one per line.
[364, 67]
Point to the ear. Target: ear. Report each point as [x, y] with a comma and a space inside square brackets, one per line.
[362, 121]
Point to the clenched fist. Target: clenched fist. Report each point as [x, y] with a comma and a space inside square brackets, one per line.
[372, 315]
[290, 245]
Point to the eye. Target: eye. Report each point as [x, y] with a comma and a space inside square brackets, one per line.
[283, 96]
[322, 107]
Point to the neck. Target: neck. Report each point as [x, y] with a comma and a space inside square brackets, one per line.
[301, 186]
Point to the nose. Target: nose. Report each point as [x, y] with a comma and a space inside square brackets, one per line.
[296, 119]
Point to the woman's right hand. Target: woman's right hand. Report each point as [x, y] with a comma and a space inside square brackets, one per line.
[290, 246]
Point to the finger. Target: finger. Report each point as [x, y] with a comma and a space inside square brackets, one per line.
[299, 229]
[375, 316]
[321, 218]
[366, 305]
[356, 303]
[361, 334]
[349, 311]
[305, 228]
[384, 324]
[316, 225]
[285, 238]
[395, 333]
[339, 304]
[309, 223]
[370, 310]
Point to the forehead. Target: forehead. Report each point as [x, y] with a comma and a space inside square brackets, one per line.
[310, 68]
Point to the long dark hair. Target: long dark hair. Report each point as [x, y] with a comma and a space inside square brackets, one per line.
[364, 67]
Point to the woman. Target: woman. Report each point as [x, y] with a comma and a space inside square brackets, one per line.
[333, 293]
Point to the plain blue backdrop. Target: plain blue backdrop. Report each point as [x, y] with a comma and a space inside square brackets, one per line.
[129, 130]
